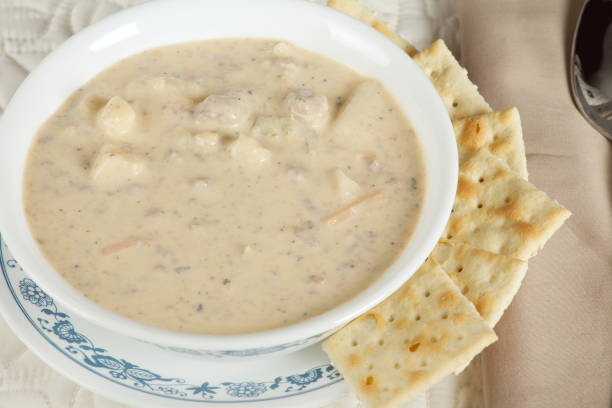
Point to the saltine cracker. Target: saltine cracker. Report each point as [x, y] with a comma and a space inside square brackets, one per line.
[497, 210]
[488, 280]
[459, 95]
[498, 132]
[424, 331]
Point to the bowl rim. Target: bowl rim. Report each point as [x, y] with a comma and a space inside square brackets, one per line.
[112, 32]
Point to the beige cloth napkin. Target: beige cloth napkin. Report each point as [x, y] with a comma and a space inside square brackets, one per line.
[555, 341]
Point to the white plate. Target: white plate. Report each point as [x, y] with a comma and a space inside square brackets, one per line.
[137, 373]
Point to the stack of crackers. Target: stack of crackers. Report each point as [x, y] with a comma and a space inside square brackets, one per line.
[444, 315]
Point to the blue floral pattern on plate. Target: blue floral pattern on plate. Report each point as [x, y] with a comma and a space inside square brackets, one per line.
[57, 328]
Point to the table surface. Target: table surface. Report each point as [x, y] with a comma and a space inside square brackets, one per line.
[29, 29]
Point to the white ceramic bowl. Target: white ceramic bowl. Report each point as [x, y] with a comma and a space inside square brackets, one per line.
[313, 27]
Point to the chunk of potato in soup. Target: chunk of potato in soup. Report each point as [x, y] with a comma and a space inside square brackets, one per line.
[226, 186]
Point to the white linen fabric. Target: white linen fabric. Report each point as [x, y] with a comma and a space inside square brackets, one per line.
[29, 30]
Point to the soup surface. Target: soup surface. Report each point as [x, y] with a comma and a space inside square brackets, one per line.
[225, 186]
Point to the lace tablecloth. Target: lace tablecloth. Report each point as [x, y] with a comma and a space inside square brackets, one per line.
[29, 29]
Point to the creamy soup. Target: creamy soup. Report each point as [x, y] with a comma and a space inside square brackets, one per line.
[226, 186]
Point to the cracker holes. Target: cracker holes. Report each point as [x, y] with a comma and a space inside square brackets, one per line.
[444, 316]
[479, 205]
[427, 294]
[433, 340]
[354, 343]
[455, 104]
[381, 342]
[481, 180]
[391, 319]
[449, 236]
[369, 380]
[423, 363]
[466, 289]
[460, 338]
[508, 200]
[370, 367]
[417, 318]
[493, 279]
[460, 269]
[414, 347]
[397, 366]
[477, 127]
